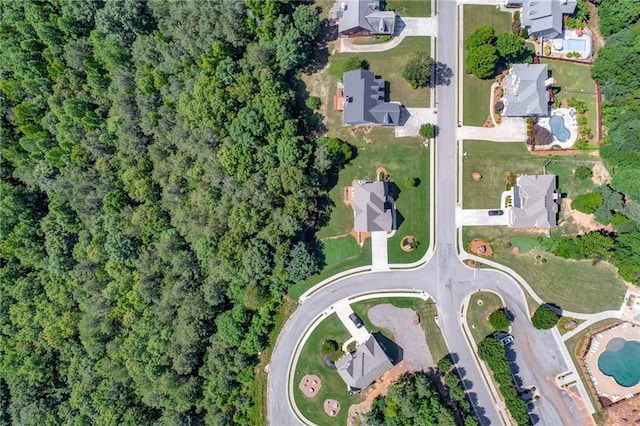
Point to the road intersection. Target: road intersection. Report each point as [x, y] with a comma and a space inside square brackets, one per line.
[446, 280]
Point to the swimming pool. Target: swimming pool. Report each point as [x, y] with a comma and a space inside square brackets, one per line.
[558, 128]
[621, 362]
[574, 45]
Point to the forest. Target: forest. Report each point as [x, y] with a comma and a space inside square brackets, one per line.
[162, 180]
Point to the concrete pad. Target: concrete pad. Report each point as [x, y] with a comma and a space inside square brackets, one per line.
[416, 118]
[379, 256]
[477, 217]
[512, 129]
[410, 27]
[343, 310]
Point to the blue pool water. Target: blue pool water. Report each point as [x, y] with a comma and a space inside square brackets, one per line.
[558, 128]
[621, 361]
[574, 45]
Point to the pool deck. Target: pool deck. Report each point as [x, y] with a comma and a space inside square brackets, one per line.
[570, 123]
[605, 386]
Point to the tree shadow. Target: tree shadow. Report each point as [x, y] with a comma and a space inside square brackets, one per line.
[319, 56]
[554, 307]
[510, 315]
[480, 411]
[441, 75]
[391, 348]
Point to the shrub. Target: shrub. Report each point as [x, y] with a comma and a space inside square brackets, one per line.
[547, 49]
[313, 103]
[583, 172]
[579, 105]
[418, 70]
[329, 347]
[544, 318]
[516, 16]
[491, 351]
[587, 203]
[427, 130]
[482, 35]
[411, 182]
[482, 61]
[499, 320]
[582, 144]
[445, 364]
[582, 120]
[525, 33]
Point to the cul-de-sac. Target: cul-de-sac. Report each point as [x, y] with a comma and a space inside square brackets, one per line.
[320, 212]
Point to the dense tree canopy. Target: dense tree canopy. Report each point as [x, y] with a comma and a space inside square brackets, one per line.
[158, 181]
[417, 71]
[544, 318]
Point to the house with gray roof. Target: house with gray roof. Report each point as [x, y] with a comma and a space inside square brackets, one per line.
[363, 17]
[535, 200]
[372, 210]
[525, 91]
[364, 101]
[364, 366]
[543, 18]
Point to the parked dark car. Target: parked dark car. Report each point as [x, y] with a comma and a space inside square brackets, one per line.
[496, 212]
[356, 320]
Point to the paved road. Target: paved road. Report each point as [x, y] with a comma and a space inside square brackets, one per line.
[444, 277]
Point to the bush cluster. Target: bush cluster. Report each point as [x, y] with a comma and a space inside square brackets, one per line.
[544, 318]
[491, 351]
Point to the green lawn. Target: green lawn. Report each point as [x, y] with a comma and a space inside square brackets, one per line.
[575, 81]
[426, 310]
[476, 92]
[311, 362]
[493, 159]
[578, 286]
[389, 65]
[340, 254]
[478, 314]
[410, 8]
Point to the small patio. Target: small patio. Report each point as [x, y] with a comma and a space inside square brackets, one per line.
[563, 126]
[574, 44]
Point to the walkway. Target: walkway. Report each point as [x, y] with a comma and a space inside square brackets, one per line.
[379, 257]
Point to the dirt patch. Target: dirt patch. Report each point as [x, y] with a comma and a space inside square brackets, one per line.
[624, 413]
[318, 85]
[379, 388]
[331, 407]
[480, 247]
[585, 222]
[488, 123]
[310, 385]
[599, 174]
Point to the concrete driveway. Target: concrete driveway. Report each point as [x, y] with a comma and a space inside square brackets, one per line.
[412, 27]
[413, 118]
[409, 336]
[343, 310]
[512, 129]
[379, 257]
[478, 217]
[405, 27]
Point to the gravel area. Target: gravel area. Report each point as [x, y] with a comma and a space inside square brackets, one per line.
[406, 334]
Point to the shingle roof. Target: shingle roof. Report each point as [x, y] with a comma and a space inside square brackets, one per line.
[356, 16]
[370, 214]
[535, 202]
[544, 17]
[364, 101]
[525, 92]
[362, 368]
